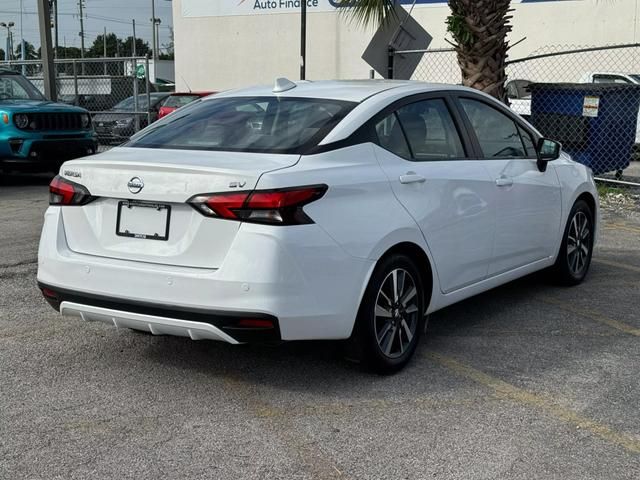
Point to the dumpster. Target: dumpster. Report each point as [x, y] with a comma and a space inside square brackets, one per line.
[596, 123]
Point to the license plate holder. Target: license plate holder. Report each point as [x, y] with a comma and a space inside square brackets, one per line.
[146, 221]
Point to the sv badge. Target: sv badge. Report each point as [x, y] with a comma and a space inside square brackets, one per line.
[240, 184]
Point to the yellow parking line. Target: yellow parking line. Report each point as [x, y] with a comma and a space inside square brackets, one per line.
[505, 390]
[631, 268]
[595, 316]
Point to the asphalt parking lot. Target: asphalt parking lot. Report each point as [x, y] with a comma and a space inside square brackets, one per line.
[526, 381]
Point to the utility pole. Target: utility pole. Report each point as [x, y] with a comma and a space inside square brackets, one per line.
[49, 74]
[133, 47]
[55, 22]
[81, 4]
[303, 39]
[153, 29]
[158, 22]
[104, 50]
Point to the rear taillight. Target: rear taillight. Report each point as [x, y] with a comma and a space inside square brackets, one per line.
[273, 207]
[66, 192]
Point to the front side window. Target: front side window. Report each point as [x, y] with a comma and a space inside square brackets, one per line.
[15, 87]
[497, 133]
[529, 144]
[249, 124]
[430, 130]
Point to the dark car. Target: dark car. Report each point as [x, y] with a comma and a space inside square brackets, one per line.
[36, 134]
[119, 123]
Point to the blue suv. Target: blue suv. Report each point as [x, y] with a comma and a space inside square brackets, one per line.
[36, 134]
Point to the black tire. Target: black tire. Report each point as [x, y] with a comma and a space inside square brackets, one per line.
[405, 323]
[572, 264]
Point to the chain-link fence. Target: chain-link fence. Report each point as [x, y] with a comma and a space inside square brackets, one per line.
[586, 98]
[117, 92]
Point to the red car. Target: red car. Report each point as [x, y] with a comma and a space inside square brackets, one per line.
[177, 100]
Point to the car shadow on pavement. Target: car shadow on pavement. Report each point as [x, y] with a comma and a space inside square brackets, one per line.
[320, 365]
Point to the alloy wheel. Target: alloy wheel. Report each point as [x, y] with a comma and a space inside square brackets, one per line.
[396, 313]
[578, 243]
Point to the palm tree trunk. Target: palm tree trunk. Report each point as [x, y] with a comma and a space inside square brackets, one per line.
[480, 28]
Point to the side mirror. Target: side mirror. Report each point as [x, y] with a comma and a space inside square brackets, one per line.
[548, 150]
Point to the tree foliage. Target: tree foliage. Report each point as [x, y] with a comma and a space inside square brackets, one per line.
[117, 47]
[30, 52]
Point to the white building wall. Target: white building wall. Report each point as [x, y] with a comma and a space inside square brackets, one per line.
[221, 52]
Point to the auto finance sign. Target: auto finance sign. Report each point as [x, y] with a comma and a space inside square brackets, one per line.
[221, 8]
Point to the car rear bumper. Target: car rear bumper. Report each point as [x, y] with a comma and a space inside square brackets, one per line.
[230, 327]
[298, 277]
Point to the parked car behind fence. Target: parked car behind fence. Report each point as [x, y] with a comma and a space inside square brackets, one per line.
[122, 121]
[178, 100]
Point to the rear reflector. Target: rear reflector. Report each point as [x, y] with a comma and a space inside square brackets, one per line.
[49, 293]
[273, 207]
[51, 297]
[254, 323]
[66, 192]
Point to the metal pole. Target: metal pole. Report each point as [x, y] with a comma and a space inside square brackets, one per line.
[390, 72]
[104, 50]
[303, 39]
[22, 53]
[135, 94]
[55, 21]
[146, 75]
[75, 82]
[153, 30]
[81, 4]
[48, 73]
[157, 27]
[8, 46]
[133, 47]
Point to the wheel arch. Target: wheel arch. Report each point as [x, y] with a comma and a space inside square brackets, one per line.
[589, 200]
[416, 253]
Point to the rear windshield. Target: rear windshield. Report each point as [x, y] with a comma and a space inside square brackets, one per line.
[248, 124]
[177, 101]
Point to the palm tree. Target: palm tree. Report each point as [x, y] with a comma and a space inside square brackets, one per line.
[30, 52]
[479, 29]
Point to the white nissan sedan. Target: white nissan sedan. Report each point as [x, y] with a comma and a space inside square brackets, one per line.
[314, 210]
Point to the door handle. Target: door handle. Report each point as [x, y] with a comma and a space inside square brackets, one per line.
[504, 181]
[411, 177]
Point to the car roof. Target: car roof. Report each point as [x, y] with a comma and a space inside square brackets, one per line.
[347, 90]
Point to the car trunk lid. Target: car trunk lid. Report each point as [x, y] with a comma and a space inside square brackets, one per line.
[142, 192]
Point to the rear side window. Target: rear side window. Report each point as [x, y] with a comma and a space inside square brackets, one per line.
[430, 130]
[497, 134]
[391, 137]
[247, 124]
